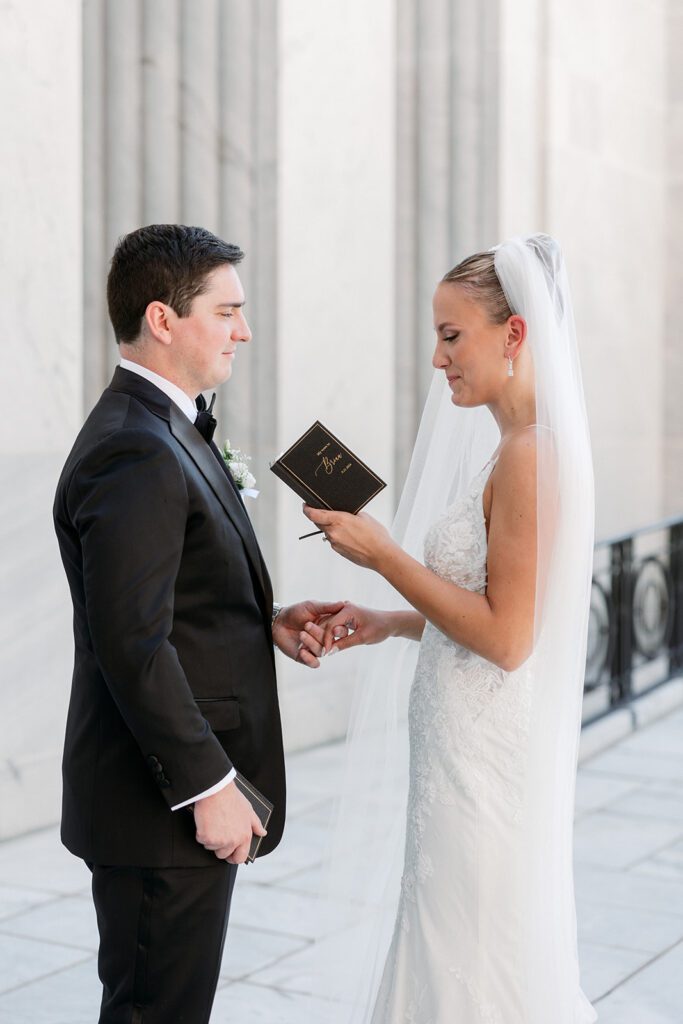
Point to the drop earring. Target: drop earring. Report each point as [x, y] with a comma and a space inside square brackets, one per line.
[511, 371]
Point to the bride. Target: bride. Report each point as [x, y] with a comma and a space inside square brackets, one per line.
[489, 564]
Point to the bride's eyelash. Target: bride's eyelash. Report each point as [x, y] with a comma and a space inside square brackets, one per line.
[452, 337]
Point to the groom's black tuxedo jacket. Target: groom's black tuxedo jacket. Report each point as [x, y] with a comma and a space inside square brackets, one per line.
[174, 674]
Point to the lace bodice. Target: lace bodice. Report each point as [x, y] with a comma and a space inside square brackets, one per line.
[453, 687]
[455, 546]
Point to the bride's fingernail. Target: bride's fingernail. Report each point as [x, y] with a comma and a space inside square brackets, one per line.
[333, 650]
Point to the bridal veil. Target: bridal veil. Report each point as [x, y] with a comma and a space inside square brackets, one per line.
[361, 876]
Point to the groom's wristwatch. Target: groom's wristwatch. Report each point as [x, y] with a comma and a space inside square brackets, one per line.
[277, 608]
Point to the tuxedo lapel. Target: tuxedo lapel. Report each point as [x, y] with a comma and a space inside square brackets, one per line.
[204, 458]
[228, 495]
[265, 579]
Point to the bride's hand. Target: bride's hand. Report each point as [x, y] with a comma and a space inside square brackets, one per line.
[353, 626]
[360, 538]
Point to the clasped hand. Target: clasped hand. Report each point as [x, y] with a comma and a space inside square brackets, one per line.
[298, 630]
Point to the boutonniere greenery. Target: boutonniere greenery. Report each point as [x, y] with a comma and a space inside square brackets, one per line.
[238, 465]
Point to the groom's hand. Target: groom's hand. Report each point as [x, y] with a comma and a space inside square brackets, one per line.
[225, 824]
[298, 633]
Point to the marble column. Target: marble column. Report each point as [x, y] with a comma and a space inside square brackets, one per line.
[447, 173]
[161, 105]
[180, 126]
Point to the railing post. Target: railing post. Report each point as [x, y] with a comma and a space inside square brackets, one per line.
[622, 596]
[676, 569]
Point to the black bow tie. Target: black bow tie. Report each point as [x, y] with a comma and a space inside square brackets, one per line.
[205, 422]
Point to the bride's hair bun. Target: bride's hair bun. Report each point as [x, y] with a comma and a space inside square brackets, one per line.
[477, 275]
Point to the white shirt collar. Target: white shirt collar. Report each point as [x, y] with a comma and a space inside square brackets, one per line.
[176, 394]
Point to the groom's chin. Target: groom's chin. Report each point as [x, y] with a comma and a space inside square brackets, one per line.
[223, 373]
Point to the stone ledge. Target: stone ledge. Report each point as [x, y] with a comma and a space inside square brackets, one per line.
[642, 711]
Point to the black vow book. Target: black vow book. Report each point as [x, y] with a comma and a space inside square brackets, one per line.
[261, 805]
[322, 471]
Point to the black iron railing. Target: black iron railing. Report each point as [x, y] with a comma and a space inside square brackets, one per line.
[635, 634]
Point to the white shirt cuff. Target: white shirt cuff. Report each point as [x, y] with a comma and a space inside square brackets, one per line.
[208, 792]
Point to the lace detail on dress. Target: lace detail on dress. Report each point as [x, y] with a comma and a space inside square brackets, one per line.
[488, 1013]
[469, 723]
[455, 546]
[453, 686]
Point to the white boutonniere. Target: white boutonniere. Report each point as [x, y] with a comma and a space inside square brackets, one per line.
[237, 463]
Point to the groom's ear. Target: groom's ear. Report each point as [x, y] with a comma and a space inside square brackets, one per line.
[156, 322]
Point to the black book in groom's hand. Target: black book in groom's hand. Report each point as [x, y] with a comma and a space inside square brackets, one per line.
[326, 474]
[262, 807]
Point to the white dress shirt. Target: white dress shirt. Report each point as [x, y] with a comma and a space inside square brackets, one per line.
[186, 405]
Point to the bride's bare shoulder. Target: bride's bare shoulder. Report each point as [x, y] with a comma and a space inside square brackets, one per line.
[518, 455]
[513, 480]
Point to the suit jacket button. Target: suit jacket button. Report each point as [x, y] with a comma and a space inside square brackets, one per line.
[164, 782]
[152, 761]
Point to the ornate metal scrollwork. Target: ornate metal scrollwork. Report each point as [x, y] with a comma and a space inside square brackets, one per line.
[652, 607]
[600, 635]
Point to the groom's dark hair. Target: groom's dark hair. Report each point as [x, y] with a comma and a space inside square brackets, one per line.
[165, 263]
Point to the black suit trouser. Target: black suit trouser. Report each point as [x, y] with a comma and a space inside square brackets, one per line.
[162, 932]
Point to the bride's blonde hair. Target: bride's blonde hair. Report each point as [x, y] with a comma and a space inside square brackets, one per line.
[477, 275]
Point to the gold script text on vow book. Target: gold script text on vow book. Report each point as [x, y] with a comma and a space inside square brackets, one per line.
[326, 474]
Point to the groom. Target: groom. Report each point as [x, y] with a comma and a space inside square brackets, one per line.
[174, 678]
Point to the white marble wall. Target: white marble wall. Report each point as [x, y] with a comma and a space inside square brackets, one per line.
[582, 156]
[40, 327]
[336, 295]
[578, 149]
[673, 274]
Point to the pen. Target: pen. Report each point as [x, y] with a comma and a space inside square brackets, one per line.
[314, 534]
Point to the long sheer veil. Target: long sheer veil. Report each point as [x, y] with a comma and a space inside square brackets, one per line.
[363, 863]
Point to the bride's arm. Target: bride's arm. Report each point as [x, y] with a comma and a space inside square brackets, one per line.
[407, 624]
[497, 625]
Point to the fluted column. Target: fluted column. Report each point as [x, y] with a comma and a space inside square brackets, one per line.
[447, 175]
[180, 126]
[434, 213]
[160, 109]
[407, 256]
[199, 112]
[474, 127]
[95, 179]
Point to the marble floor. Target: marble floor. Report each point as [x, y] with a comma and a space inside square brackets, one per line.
[629, 881]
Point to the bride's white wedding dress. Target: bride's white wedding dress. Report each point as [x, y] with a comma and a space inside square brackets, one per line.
[454, 956]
